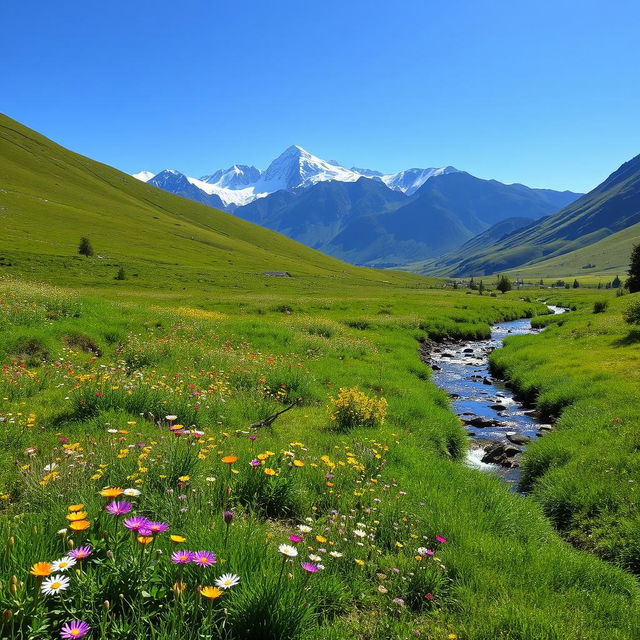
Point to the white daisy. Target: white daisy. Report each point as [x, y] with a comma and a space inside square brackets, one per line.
[133, 493]
[359, 533]
[54, 584]
[304, 528]
[335, 554]
[227, 580]
[63, 564]
[314, 558]
[288, 550]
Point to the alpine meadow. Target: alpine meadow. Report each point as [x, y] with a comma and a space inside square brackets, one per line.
[315, 401]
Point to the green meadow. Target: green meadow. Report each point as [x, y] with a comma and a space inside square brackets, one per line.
[145, 489]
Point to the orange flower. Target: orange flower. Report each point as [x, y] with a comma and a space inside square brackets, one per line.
[76, 507]
[78, 515]
[41, 569]
[80, 525]
[111, 492]
[229, 460]
[145, 539]
[211, 592]
[269, 471]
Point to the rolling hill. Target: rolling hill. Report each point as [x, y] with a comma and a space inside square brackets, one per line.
[597, 229]
[50, 197]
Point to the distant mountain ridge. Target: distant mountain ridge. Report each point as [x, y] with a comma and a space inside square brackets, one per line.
[611, 209]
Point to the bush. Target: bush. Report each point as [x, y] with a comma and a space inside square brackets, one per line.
[600, 306]
[631, 314]
[85, 248]
[353, 408]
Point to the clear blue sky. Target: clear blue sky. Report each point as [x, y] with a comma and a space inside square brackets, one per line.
[546, 93]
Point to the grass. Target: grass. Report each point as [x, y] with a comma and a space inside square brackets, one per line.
[91, 366]
[100, 419]
[583, 372]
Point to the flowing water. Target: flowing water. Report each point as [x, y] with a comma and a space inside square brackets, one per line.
[488, 407]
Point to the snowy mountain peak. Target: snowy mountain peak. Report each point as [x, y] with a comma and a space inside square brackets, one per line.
[144, 176]
[237, 176]
[410, 180]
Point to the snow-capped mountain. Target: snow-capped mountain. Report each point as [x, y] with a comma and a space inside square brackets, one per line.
[238, 176]
[144, 176]
[175, 182]
[410, 180]
[294, 169]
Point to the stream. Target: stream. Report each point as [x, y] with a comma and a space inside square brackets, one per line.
[499, 426]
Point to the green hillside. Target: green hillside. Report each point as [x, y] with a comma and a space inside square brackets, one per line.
[50, 197]
[598, 229]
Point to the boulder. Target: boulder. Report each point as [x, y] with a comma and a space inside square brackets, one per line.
[506, 455]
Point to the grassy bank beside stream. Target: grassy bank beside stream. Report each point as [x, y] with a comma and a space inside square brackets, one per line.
[85, 385]
[583, 372]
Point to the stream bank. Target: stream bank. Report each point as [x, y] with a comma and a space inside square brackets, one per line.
[498, 424]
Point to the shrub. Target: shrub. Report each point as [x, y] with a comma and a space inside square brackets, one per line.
[121, 275]
[353, 408]
[631, 314]
[85, 248]
[600, 306]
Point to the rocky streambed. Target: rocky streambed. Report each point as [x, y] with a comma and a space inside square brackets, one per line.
[498, 424]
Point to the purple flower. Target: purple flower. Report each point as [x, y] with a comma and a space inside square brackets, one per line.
[255, 463]
[81, 552]
[158, 527]
[227, 516]
[441, 539]
[253, 437]
[136, 523]
[145, 531]
[74, 629]
[309, 567]
[294, 538]
[182, 557]
[203, 558]
[116, 508]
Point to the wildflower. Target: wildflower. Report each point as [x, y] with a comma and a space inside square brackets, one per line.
[335, 554]
[76, 507]
[211, 592]
[63, 564]
[184, 478]
[304, 528]
[227, 580]
[177, 539]
[135, 523]
[229, 459]
[182, 557]
[145, 532]
[111, 492]
[76, 515]
[158, 527]
[179, 587]
[203, 558]
[54, 585]
[117, 508]
[227, 516]
[41, 569]
[80, 525]
[321, 539]
[382, 589]
[441, 539]
[360, 562]
[170, 418]
[399, 602]
[74, 629]
[287, 550]
[270, 472]
[131, 493]
[309, 567]
[314, 557]
[81, 552]
[295, 539]
[298, 463]
[360, 533]
[423, 551]
[255, 463]
[144, 540]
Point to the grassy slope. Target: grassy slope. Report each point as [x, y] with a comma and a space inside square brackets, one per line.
[191, 315]
[584, 370]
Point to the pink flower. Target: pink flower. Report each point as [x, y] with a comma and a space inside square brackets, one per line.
[81, 552]
[203, 558]
[440, 539]
[74, 629]
[136, 523]
[309, 566]
[294, 538]
[117, 508]
[182, 557]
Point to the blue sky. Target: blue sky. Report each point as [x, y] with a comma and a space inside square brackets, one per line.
[546, 93]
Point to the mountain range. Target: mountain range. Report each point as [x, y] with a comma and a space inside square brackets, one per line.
[362, 215]
[594, 233]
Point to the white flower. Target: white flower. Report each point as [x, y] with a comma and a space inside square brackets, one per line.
[54, 584]
[227, 580]
[112, 431]
[210, 479]
[171, 418]
[50, 467]
[63, 564]
[288, 550]
[133, 493]
[62, 532]
[304, 528]
[320, 566]
[335, 554]
[314, 558]
[359, 533]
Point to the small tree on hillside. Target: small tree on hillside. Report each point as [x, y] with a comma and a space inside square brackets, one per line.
[616, 283]
[633, 281]
[121, 275]
[576, 284]
[481, 287]
[85, 248]
[472, 284]
[504, 284]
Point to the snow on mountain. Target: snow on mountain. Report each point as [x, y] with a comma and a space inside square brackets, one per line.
[410, 180]
[294, 169]
[144, 176]
[238, 176]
